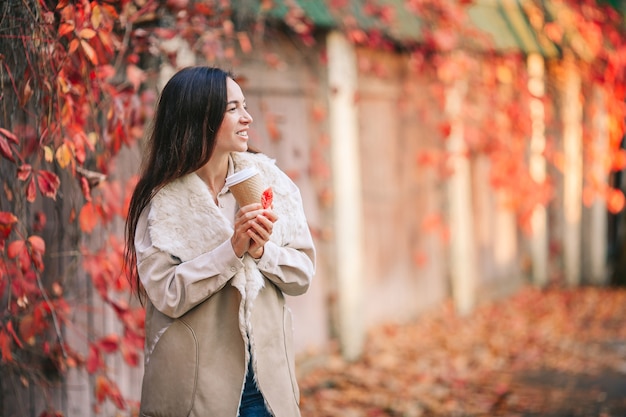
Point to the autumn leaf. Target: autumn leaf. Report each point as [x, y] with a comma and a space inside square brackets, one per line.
[88, 217]
[38, 249]
[445, 129]
[79, 140]
[109, 344]
[105, 388]
[15, 248]
[85, 188]
[87, 33]
[94, 359]
[428, 158]
[244, 42]
[27, 330]
[5, 149]
[267, 198]
[37, 244]
[554, 31]
[101, 389]
[11, 330]
[134, 334]
[73, 46]
[96, 16]
[130, 355]
[23, 172]
[318, 167]
[7, 220]
[65, 28]
[615, 200]
[618, 160]
[31, 191]
[5, 347]
[63, 155]
[420, 258]
[48, 154]
[115, 396]
[89, 51]
[10, 136]
[319, 113]
[18, 250]
[48, 183]
[26, 93]
[135, 76]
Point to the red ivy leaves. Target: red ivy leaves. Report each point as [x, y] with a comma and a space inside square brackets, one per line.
[105, 388]
[106, 344]
[5, 347]
[7, 220]
[88, 217]
[5, 146]
[47, 182]
[27, 252]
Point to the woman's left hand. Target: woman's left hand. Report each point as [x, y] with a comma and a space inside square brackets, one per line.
[260, 231]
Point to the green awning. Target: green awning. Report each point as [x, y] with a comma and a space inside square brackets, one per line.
[504, 20]
[509, 27]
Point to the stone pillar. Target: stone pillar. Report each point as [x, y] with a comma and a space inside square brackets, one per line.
[572, 171]
[348, 199]
[537, 165]
[460, 208]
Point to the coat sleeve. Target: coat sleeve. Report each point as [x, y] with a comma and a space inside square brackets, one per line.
[175, 287]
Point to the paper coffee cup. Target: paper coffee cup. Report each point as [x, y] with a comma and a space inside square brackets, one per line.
[246, 185]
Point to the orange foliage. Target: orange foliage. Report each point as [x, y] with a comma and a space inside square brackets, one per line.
[86, 114]
[443, 364]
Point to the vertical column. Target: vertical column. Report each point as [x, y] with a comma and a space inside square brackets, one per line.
[461, 216]
[572, 171]
[596, 244]
[537, 166]
[348, 207]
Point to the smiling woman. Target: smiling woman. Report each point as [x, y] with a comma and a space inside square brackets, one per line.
[212, 273]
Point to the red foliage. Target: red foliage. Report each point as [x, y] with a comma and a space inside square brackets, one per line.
[443, 364]
[90, 106]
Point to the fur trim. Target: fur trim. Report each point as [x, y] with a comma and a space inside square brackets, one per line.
[185, 222]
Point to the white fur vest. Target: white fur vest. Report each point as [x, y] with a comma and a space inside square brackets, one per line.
[185, 222]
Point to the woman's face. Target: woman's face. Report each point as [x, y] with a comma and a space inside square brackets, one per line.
[233, 132]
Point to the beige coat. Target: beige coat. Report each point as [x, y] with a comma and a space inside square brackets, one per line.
[206, 304]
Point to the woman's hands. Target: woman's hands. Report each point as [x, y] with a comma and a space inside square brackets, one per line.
[253, 228]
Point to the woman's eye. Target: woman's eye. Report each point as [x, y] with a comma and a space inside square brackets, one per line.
[232, 109]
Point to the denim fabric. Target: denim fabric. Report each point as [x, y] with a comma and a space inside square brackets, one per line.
[252, 403]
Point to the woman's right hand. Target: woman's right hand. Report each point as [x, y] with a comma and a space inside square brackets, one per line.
[245, 220]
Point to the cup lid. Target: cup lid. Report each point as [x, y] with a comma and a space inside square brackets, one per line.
[240, 176]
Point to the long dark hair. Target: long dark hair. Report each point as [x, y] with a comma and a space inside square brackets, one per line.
[188, 115]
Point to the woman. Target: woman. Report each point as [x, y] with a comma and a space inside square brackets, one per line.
[213, 275]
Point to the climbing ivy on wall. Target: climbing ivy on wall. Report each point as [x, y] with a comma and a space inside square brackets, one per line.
[76, 89]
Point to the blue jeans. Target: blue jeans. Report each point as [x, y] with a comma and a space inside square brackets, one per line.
[252, 402]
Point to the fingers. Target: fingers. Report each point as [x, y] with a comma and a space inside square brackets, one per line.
[261, 228]
[253, 228]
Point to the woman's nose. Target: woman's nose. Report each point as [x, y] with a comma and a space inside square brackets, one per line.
[247, 117]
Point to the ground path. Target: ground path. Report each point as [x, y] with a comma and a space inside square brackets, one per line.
[548, 353]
